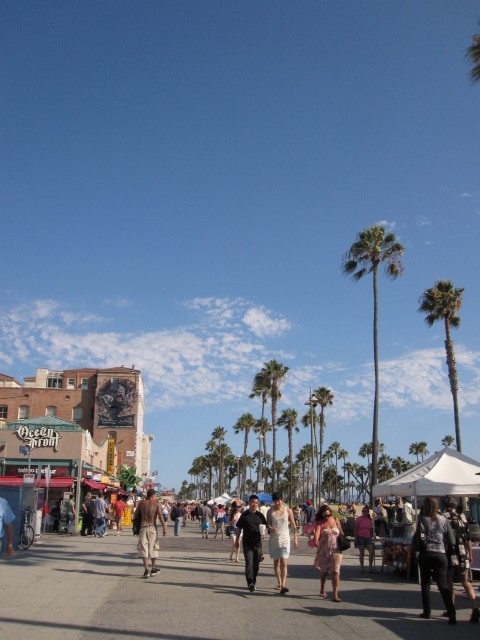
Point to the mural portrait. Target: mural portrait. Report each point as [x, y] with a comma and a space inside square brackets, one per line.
[116, 404]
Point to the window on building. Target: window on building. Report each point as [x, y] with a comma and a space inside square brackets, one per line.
[23, 412]
[54, 379]
[77, 414]
[84, 383]
[71, 383]
[3, 411]
[115, 383]
[51, 411]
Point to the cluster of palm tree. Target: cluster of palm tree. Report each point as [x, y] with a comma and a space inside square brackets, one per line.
[372, 248]
[220, 470]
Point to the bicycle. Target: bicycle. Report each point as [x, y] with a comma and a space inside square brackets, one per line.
[27, 534]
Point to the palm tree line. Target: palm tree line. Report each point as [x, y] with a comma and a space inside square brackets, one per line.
[372, 248]
[219, 470]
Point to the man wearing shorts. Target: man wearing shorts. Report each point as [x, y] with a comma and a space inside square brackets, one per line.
[148, 511]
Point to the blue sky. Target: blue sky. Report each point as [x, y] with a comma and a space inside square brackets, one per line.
[180, 181]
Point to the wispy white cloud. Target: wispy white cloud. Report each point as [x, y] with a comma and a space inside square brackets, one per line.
[423, 221]
[263, 325]
[388, 224]
[213, 359]
[118, 303]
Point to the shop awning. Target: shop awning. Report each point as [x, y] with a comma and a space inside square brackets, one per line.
[55, 483]
[98, 486]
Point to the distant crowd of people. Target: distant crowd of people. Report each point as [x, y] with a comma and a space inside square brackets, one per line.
[441, 540]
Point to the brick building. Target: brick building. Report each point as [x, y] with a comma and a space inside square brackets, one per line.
[108, 403]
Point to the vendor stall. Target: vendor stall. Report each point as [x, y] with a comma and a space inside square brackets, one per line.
[446, 473]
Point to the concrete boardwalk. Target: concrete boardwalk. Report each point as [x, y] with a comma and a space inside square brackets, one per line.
[71, 588]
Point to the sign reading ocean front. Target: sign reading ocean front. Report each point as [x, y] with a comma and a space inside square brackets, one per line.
[39, 437]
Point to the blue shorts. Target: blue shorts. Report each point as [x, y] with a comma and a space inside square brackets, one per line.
[363, 542]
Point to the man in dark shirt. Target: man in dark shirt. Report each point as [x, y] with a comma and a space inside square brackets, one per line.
[309, 513]
[249, 522]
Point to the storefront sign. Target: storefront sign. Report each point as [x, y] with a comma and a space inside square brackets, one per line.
[111, 456]
[40, 437]
[55, 471]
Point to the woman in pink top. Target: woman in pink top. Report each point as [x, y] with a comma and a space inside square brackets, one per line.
[364, 527]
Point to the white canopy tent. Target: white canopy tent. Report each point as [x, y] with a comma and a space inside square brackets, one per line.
[446, 473]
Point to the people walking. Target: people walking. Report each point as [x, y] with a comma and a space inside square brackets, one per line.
[204, 514]
[177, 514]
[100, 517]
[328, 558]
[461, 558]
[87, 515]
[147, 512]
[432, 559]
[233, 516]
[6, 527]
[278, 520]
[249, 523]
[68, 511]
[365, 537]
[220, 521]
[119, 511]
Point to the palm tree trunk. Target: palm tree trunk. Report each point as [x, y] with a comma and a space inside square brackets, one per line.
[452, 375]
[374, 476]
[320, 470]
[290, 451]
[274, 435]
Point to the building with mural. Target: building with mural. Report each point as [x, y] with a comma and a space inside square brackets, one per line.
[107, 403]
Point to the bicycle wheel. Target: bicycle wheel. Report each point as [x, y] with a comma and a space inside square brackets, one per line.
[27, 536]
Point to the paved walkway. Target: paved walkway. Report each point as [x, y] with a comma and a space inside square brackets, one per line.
[73, 588]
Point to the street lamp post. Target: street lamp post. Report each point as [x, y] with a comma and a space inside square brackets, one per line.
[312, 402]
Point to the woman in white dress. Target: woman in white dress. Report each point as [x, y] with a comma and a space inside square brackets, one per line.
[279, 518]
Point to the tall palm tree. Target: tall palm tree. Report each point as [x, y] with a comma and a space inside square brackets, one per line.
[335, 448]
[275, 372]
[373, 247]
[473, 55]
[244, 424]
[418, 449]
[443, 302]
[218, 436]
[447, 441]
[343, 454]
[365, 451]
[288, 419]
[261, 388]
[262, 427]
[398, 465]
[304, 457]
[325, 398]
[385, 470]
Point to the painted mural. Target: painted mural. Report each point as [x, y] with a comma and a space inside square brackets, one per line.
[116, 404]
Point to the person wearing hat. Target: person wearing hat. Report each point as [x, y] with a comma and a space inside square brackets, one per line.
[147, 512]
